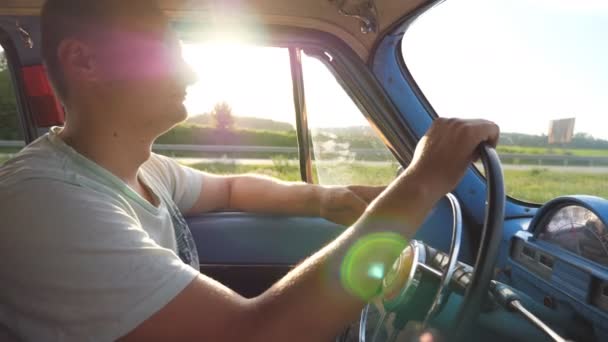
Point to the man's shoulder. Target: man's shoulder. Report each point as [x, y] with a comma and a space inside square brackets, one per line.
[36, 161]
[40, 169]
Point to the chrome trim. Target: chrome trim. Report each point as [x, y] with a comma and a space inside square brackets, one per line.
[431, 270]
[299, 98]
[25, 35]
[363, 10]
[444, 287]
[413, 280]
[363, 323]
[379, 326]
[516, 304]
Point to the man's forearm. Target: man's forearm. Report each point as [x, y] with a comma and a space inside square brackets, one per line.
[260, 194]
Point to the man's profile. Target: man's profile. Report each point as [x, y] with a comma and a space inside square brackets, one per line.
[94, 243]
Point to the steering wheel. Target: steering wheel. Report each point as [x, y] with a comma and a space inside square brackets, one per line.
[413, 283]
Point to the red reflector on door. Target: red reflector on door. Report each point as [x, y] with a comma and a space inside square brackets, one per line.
[45, 107]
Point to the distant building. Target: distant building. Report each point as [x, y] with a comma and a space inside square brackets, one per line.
[561, 131]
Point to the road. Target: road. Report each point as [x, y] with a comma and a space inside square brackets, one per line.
[244, 161]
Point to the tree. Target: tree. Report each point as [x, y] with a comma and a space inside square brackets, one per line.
[9, 119]
[222, 116]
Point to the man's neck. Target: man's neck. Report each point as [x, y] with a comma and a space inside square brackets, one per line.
[114, 148]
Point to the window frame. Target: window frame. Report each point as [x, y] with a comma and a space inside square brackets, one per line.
[305, 154]
[353, 74]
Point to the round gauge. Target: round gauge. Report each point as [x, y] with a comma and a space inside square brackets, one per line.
[578, 230]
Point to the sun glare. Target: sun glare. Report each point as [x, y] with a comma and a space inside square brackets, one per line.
[254, 81]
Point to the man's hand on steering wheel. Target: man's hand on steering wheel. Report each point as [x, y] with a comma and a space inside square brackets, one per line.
[447, 150]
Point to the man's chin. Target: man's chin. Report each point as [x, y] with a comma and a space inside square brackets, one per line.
[179, 114]
[175, 117]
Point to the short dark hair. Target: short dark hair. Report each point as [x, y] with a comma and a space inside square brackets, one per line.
[62, 19]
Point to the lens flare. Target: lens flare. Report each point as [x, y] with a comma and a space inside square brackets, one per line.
[365, 263]
[376, 271]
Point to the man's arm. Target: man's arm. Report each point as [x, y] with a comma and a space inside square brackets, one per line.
[313, 302]
[260, 194]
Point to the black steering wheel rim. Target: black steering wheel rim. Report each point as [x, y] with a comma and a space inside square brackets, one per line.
[489, 245]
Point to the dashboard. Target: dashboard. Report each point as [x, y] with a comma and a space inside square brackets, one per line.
[561, 261]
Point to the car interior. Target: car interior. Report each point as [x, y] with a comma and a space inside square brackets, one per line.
[494, 260]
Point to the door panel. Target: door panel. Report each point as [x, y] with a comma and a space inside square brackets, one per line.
[250, 239]
[249, 252]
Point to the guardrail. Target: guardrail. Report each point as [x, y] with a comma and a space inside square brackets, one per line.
[543, 159]
[507, 158]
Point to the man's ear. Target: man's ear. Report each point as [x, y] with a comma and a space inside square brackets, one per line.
[78, 60]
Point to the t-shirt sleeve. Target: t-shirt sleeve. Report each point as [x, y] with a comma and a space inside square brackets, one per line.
[183, 182]
[77, 266]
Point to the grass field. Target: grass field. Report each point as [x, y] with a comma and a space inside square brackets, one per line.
[541, 185]
[336, 174]
[535, 185]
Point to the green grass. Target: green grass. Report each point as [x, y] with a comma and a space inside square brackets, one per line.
[541, 185]
[288, 173]
[355, 173]
[339, 173]
[536, 185]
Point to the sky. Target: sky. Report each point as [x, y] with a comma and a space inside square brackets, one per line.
[520, 63]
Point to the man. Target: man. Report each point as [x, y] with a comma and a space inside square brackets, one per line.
[94, 246]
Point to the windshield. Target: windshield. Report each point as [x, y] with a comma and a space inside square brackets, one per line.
[539, 69]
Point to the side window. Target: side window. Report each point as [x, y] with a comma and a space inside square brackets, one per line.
[346, 150]
[11, 135]
[241, 115]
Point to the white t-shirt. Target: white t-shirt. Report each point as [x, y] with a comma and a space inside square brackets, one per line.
[83, 257]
